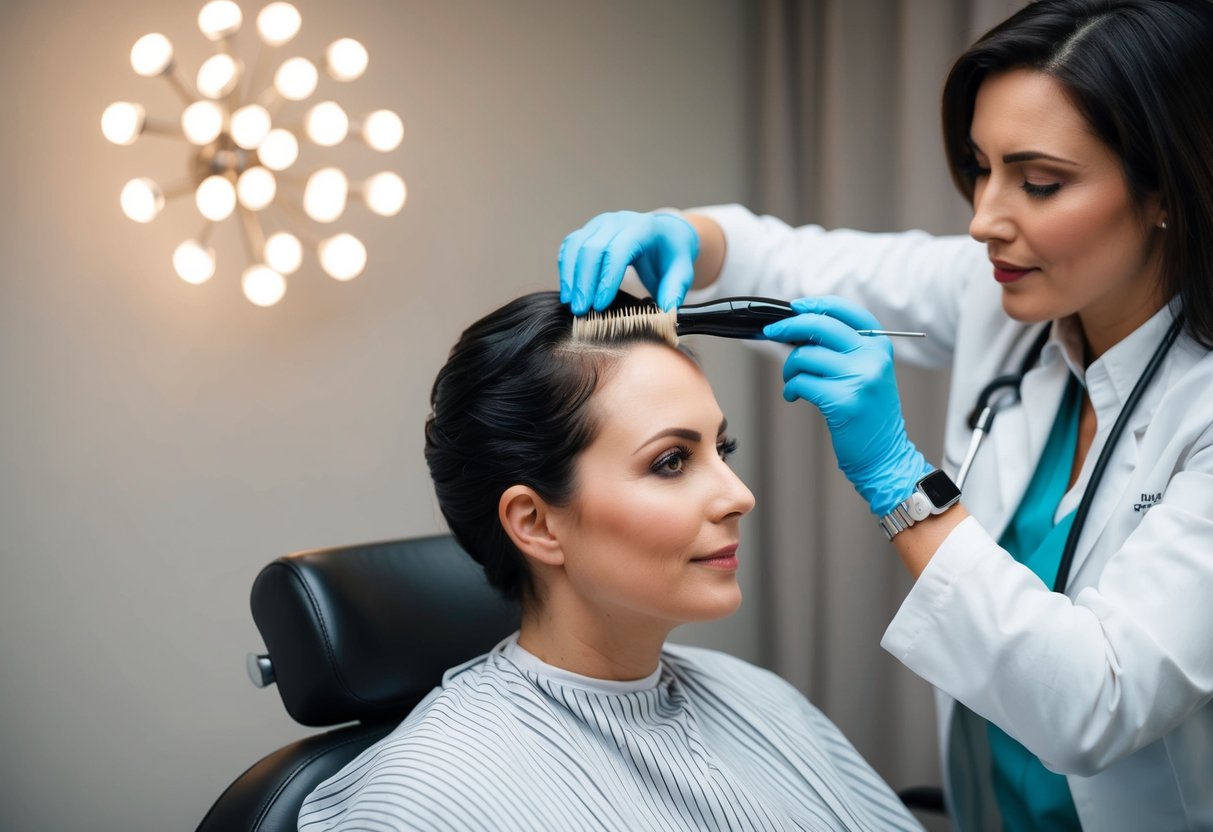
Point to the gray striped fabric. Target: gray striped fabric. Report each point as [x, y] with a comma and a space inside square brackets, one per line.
[709, 742]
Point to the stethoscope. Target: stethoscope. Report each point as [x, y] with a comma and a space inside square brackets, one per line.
[1004, 390]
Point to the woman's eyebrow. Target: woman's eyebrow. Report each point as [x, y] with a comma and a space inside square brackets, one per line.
[681, 433]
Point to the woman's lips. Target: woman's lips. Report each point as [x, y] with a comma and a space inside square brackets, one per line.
[725, 559]
[1007, 272]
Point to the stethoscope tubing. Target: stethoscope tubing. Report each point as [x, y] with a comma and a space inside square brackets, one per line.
[1105, 455]
[987, 408]
[985, 418]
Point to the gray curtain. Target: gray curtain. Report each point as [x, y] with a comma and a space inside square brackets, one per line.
[848, 136]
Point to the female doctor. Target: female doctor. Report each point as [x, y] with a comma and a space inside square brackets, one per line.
[1075, 687]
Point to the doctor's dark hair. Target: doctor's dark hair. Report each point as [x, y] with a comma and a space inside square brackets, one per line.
[1141, 74]
[510, 407]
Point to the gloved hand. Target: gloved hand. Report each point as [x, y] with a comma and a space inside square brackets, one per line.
[849, 377]
[662, 247]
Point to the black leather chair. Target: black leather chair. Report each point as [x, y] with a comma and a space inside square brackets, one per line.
[356, 634]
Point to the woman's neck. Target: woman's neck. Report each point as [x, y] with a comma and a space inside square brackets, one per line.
[590, 642]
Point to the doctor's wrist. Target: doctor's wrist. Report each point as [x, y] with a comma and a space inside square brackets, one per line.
[895, 482]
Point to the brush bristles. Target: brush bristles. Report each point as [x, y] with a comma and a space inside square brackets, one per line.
[621, 323]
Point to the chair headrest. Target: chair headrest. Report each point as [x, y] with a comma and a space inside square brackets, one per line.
[364, 632]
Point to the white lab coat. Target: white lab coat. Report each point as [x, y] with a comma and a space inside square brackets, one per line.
[1112, 683]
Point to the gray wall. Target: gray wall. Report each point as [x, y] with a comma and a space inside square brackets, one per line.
[161, 442]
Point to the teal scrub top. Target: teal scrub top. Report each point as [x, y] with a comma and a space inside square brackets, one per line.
[1029, 796]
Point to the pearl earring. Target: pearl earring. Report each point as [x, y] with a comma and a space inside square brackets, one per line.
[1162, 224]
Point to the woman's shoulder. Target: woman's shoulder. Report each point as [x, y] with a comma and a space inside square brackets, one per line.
[456, 743]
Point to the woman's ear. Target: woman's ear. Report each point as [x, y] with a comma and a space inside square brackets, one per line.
[527, 519]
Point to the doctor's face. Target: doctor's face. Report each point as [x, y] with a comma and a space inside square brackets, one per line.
[652, 532]
[1051, 204]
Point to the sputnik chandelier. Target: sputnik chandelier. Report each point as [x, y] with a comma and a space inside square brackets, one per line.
[242, 146]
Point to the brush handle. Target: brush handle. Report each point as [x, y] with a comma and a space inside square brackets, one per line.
[745, 317]
[740, 317]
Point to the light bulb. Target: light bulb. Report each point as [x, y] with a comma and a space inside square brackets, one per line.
[385, 193]
[343, 257]
[250, 125]
[283, 252]
[325, 194]
[383, 130]
[326, 124]
[277, 23]
[279, 149]
[141, 199]
[152, 55]
[122, 122]
[202, 122]
[255, 188]
[345, 59]
[215, 198]
[296, 79]
[194, 262]
[220, 19]
[218, 75]
[262, 285]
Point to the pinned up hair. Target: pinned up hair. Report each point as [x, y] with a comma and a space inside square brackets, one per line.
[510, 408]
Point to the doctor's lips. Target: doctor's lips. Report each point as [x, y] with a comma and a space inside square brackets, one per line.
[725, 558]
[1008, 272]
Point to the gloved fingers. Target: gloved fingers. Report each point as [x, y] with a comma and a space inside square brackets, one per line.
[842, 309]
[591, 260]
[672, 289]
[815, 328]
[816, 360]
[624, 249]
[571, 250]
[815, 390]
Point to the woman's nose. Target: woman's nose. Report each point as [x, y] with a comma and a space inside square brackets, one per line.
[736, 497]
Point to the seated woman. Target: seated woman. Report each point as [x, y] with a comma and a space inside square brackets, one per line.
[589, 480]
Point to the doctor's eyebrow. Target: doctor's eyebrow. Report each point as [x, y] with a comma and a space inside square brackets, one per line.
[1025, 156]
[1033, 155]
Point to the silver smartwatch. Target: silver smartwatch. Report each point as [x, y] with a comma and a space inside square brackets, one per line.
[934, 494]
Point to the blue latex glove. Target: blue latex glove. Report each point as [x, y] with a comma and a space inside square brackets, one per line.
[662, 247]
[849, 378]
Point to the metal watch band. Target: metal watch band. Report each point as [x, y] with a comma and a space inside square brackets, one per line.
[933, 494]
[897, 520]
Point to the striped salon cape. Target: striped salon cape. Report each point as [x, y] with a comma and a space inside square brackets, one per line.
[708, 742]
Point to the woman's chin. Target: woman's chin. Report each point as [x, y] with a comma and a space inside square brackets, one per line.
[718, 604]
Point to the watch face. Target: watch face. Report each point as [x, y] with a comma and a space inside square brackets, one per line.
[939, 489]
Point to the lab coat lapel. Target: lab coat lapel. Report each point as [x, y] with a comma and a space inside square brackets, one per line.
[1110, 492]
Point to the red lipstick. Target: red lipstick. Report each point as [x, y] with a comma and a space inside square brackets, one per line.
[1008, 272]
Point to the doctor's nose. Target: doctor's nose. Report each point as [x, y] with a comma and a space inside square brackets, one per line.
[991, 220]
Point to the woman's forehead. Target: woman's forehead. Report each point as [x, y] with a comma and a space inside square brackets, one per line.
[653, 386]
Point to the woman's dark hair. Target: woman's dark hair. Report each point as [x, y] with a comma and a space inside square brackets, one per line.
[1141, 74]
[509, 408]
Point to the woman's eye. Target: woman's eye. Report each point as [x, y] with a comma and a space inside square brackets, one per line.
[726, 448]
[671, 463]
